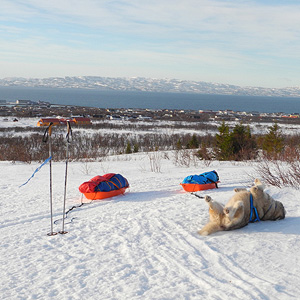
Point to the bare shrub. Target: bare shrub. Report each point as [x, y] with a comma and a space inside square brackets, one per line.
[206, 162]
[155, 161]
[185, 158]
[86, 168]
[204, 154]
[284, 172]
[97, 141]
[270, 172]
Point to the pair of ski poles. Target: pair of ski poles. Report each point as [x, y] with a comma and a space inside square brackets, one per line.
[47, 137]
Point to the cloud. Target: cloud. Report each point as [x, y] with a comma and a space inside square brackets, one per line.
[193, 34]
[201, 15]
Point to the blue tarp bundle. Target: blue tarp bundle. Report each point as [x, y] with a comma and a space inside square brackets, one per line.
[116, 182]
[204, 178]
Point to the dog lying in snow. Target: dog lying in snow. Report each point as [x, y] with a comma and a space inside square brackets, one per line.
[244, 207]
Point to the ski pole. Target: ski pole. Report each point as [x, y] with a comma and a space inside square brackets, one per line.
[47, 135]
[68, 136]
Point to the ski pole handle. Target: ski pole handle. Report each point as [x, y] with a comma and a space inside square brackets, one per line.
[69, 132]
[50, 128]
[48, 132]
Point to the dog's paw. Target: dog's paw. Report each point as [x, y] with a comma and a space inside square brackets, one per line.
[203, 232]
[239, 190]
[207, 198]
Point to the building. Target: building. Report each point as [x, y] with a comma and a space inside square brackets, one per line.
[62, 121]
[48, 121]
[82, 121]
[25, 102]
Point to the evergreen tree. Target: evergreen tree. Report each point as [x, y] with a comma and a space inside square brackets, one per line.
[273, 143]
[128, 149]
[193, 143]
[136, 148]
[237, 145]
[179, 145]
[244, 146]
[223, 148]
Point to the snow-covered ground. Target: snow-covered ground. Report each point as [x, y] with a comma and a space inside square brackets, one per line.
[143, 244]
[153, 127]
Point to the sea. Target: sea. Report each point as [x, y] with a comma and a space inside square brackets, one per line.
[151, 100]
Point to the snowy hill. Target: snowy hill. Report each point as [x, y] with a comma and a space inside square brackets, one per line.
[144, 244]
[149, 85]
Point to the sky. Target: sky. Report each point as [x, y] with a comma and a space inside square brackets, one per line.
[247, 43]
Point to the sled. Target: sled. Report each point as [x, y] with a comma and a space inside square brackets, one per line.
[205, 181]
[193, 187]
[103, 187]
[104, 195]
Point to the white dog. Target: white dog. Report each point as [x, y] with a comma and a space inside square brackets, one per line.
[244, 207]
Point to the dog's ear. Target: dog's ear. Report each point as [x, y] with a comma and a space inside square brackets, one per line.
[257, 181]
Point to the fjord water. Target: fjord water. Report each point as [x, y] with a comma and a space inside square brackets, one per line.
[151, 100]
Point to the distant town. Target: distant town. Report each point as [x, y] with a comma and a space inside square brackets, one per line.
[42, 109]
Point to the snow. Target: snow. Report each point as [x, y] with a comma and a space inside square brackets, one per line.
[143, 244]
[8, 122]
[256, 128]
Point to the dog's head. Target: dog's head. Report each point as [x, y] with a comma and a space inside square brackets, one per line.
[257, 190]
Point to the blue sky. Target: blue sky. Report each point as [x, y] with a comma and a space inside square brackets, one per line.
[247, 43]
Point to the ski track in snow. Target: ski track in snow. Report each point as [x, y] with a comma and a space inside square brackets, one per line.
[144, 244]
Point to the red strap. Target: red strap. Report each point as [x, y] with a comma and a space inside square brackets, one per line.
[108, 176]
[89, 186]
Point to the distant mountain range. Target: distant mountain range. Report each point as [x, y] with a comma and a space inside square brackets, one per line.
[149, 85]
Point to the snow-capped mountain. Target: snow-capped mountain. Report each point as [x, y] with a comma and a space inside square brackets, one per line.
[149, 85]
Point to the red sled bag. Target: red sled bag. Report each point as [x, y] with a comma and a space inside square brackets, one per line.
[101, 187]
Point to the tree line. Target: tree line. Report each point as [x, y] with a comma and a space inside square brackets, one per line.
[237, 144]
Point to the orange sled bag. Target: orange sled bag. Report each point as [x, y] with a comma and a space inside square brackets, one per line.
[106, 186]
[204, 181]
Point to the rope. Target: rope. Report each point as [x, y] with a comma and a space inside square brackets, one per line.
[201, 197]
[37, 169]
[70, 209]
